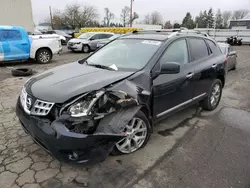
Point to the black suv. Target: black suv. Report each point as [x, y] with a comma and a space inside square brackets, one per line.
[108, 102]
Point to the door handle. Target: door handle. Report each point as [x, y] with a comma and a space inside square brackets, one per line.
[190, 75]
[214, 65]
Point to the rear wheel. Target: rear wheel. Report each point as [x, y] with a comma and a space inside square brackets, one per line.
[137, 135]
[43, 56]
[214, 96]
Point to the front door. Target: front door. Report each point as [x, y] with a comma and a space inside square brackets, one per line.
[14, 46]
[172, 91]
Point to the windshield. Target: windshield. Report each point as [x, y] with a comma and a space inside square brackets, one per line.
[85, 35]
[60, 32]
[126, 54]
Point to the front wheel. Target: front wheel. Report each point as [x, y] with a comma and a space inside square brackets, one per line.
[43, 56]
[137, 135]
[86, 49]
[214, 95]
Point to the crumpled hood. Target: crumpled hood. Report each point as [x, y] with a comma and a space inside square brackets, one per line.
[64, 82]
[78, 40]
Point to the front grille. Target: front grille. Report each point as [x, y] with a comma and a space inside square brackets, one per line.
[41, 108]
[70, 44]
[34, 106]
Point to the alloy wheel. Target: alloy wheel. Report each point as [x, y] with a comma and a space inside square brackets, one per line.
[44, 57]
[215, 96]
[136, 133]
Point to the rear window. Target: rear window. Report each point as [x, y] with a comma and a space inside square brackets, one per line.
[10, 35]
[223, 49]
[198, 48]
[212, 46]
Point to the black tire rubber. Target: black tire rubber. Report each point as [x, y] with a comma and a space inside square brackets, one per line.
[142, 116]
[22, 72]
[41, 51]
[205, 103]
[234, 68]
[86, 46]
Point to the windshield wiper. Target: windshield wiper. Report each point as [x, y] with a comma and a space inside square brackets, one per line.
[102, 66]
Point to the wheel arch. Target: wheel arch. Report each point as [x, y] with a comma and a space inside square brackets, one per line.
[47, 48]
[222, 79]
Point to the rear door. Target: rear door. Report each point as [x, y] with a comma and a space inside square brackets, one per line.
[172, 91]
[205, 62]
[15, 46]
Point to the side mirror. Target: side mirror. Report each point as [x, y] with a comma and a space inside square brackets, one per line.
[170, 68]
[91, 39]
[232, 53]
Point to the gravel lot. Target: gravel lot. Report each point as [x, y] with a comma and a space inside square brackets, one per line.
[24, 164]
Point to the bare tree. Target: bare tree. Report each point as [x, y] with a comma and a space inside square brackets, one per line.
[239, 14]
[156, 18]
[72, 14]
[135, 16]
[125, 16]
[147, 19]
[108, 16]
[89, 15]
[77, 15]
[226, 15]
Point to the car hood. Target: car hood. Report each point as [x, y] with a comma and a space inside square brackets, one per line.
[78, 40]
[64, 82]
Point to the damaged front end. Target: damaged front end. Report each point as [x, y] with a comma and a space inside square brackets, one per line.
[85, 129]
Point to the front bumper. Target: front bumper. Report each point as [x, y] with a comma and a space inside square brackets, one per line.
[64, 145]
[75, 47]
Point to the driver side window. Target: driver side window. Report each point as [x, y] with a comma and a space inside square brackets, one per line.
[176, 52]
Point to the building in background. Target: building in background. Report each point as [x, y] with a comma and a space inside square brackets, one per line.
[240, 24]
[17, 13]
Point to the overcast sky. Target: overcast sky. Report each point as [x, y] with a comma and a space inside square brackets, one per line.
[173, 10]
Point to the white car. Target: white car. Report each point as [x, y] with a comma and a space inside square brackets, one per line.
[87, 42]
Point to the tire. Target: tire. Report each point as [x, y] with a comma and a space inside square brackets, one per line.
[208, 103]
[43, 56]
[138, 116]
[234, 68]
[22, 72]
[85, 48]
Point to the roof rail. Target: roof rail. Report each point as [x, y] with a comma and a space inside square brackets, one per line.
[171, 33]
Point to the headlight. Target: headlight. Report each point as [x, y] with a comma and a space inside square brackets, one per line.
[78, 43]
[84, 106]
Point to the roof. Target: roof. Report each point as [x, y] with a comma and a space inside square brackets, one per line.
[10, 27]
[240, 20]
[159, 36]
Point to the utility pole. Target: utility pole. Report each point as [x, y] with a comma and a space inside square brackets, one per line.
[131, 13]
[51, 20]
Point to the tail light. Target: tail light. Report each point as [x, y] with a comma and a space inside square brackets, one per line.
[226, 59]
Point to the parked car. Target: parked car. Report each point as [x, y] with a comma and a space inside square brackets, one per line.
[17, 45]
[87, 42]
[63, 36]
[46, 34]
[230, 54]
[109, 101]
[105, 41]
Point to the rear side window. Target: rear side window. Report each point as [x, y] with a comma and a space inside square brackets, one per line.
[198, 48]
[213, 47]
[10, 35]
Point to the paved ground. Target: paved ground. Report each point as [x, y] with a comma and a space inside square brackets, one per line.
[24, 164]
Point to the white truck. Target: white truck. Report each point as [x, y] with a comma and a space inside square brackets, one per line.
[17, 45]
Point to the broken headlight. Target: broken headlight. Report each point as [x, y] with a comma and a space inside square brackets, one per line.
[83, 107]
